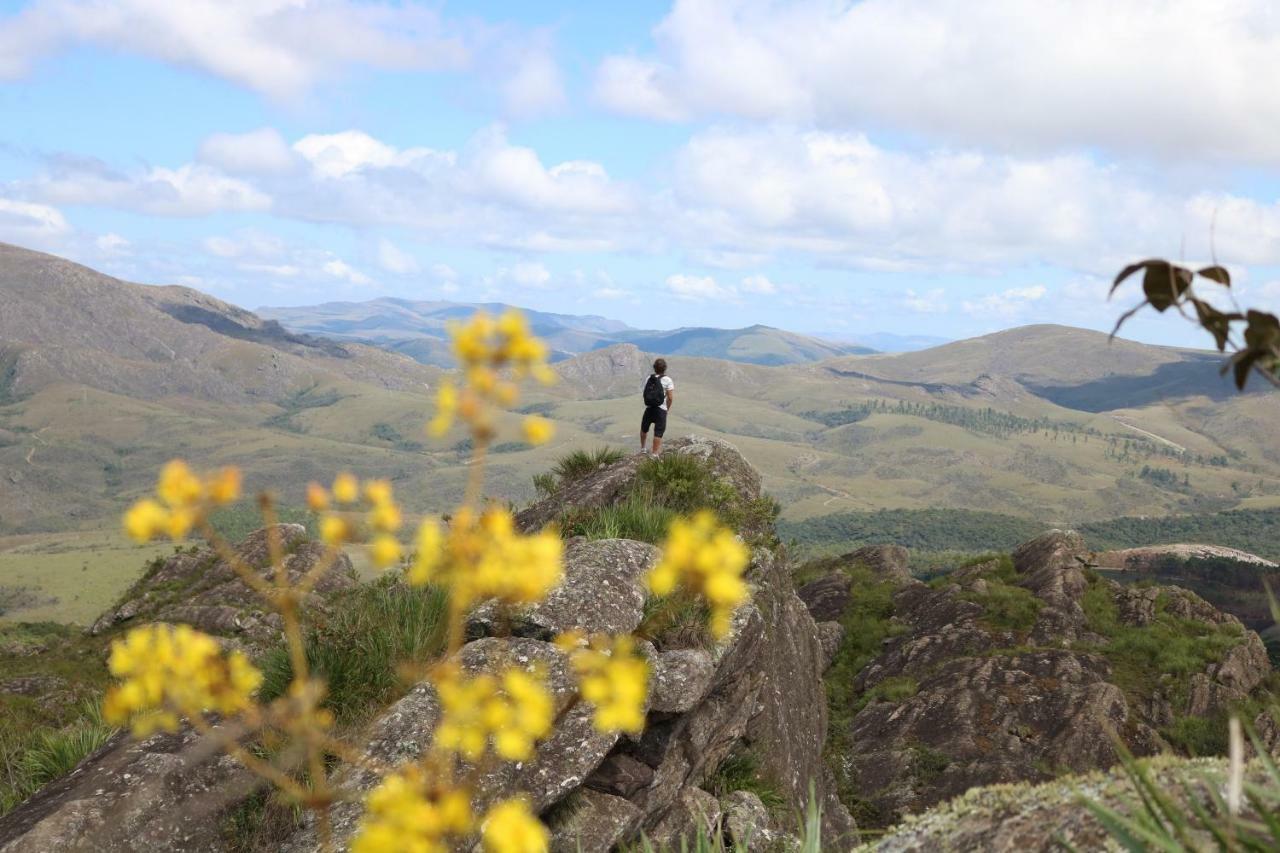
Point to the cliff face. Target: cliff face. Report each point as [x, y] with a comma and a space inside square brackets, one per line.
[759, 692]
[1025, 669]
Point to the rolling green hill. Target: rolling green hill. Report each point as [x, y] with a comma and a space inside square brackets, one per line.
[101, 381]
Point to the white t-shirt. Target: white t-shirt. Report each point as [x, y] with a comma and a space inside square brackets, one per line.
[667, 385]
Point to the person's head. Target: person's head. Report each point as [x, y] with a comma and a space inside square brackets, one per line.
[660, 367]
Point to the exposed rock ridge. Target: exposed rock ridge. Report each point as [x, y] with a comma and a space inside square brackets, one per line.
[1024, 696]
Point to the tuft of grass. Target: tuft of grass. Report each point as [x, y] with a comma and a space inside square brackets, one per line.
[1006, 607]
[1198, 737]
[359, 647]
[577, 464]
[637, 517]
[676, 621]
[741, 771]
[48, 754]
[897, 689]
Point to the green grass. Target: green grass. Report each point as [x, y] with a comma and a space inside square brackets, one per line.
[41, 740]
[1170, 646]
[359, 648]
[868, 622]
[636, 517]
[895, 689]
[741, 771]
[579, 463]
[1005, 607]
[676, 621]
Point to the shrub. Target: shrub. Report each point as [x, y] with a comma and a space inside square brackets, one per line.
[741, 772]
[1006, 607]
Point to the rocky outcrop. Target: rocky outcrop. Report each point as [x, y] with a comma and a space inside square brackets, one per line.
[610, 484]
[198, 588]
[1001, 677]
[1052, 816]
[759, 690]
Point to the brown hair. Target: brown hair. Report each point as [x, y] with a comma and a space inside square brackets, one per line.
[660, 366]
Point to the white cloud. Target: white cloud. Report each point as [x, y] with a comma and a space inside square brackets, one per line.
[337, 155]
[758, 284]
[189, 190]
[340, 269]
[112, 244]
[535, 86]
[261, 151]
[1186, 77]
[930, 302]
[840, 196]
[1007, 305]
[278, 47]
[697, 288]
[528, 274]
[23, 222]
[393, 259]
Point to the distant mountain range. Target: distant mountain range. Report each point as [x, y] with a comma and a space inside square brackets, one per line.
[102, 380]
[418, 329]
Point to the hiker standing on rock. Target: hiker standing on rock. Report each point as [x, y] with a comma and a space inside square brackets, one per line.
[659, 395]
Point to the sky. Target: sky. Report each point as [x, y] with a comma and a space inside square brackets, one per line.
[918, 167]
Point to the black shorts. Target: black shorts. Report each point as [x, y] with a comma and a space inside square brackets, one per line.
[655, 417]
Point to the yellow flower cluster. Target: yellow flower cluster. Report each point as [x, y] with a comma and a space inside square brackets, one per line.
[612, 677]
[338, 523]
[512, 712]
[510, 827]
[481, 556]
[167, 672]
[485, 347]
[403, 816]
[707, 558]
[185, 497]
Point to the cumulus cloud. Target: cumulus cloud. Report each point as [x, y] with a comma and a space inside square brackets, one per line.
[841, 196]
[758, 284]
[393, 259]
[24, 222]
[261, 151]
[930, 302]
[698, 288]
[192, 189]
[1189, 78]
[343, 271]
[1007, 305]
[277, 47]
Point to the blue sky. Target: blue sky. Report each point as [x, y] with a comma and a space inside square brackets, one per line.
[931, 167]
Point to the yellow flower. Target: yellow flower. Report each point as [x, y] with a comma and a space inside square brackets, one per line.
[708, 559]
[384, 551]
[145, 520]
[446, 408]
[612, 677]
[511, 827]
[378, 492]
[510, 713]
[224, 487]
[346, 489]
[178, 486]
[385, 517]
[334, 530]
[538, 430]
[405, 813]
[483, 556]
[317, 497]
[166, 672]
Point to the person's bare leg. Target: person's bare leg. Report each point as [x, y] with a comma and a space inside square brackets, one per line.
[657, 445]
[644, 439]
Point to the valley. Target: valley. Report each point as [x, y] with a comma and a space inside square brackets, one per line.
[104, 380]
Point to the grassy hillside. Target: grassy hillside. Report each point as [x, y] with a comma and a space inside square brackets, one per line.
[101, 381]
